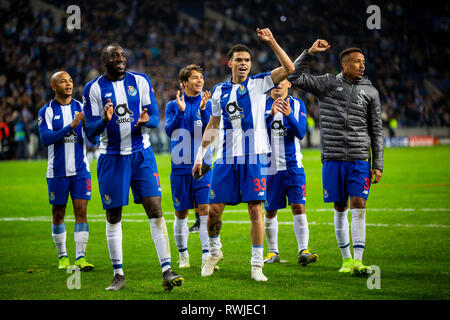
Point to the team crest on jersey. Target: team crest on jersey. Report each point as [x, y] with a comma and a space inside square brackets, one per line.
[212, 195]
[198, 115]
[107, 199]
[52, 196]
[242, 90]
[132, 91]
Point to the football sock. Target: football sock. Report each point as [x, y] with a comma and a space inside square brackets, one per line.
[358, 232]
[214, 244]
[257, 259]
[301, 231]
[203, 233]
[81, 236]
[342, 232]
[114, 240]
[160, 237]
[181, 234]
[271, 231]
[59, 238]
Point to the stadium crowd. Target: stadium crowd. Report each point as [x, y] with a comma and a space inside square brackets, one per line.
[160, 40]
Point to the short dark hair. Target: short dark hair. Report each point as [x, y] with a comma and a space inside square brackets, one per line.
[348, 51]
[186, 72]
[238, 48]
[104, 52]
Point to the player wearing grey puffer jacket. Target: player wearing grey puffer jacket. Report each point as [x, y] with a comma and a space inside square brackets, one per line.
[350, 126]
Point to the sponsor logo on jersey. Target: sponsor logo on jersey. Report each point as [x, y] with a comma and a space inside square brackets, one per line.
[234, 111]
[124, 113]
[278, 129]
[71, 137]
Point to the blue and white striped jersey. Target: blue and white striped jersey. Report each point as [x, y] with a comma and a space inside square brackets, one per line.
[129, 97]
[242, 106]
[285, 134]
[66, 146]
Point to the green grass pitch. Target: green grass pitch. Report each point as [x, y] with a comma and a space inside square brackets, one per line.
[407, 238]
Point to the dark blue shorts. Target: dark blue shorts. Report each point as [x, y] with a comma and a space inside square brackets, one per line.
[290, 183]
[236, 180]
[79, 187]
[188, 193]
[342, 179]
[117, 173]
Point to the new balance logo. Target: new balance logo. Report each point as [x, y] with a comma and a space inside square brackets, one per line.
[261, 194]
[109, 94]
[339, 89]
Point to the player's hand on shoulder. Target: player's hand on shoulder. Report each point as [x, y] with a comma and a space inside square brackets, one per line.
[206, 96]
[108, 111]
[319, 45]
[265, 34]
[180, 101]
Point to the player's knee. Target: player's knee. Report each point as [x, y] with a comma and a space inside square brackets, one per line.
[152, 206]
[58, 213]
[298, 209]
[340, 206]
[271, 214]
[114, 215]
[182, 214]
[357, 202]
[203, 210]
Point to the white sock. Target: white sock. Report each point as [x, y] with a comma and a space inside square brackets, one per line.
[114, 240]
[214, 245]
[358, 232]
[271, 231]
[301, 231]
[203, 233]
[181, 234]
[160, 237]
[59, 238]
[257, 259]
[342, 232]
[81, 237]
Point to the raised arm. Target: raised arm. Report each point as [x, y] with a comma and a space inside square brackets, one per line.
[287, 67]
[304, 81]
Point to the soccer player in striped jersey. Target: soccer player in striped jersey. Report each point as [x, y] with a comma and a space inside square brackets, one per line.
[61, 131]
[119, 106]
[238, 108]
[186, 118]
[286, 125]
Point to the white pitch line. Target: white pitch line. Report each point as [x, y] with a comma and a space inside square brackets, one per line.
[71, 219]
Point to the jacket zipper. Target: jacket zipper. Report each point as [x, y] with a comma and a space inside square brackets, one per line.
[345, 123]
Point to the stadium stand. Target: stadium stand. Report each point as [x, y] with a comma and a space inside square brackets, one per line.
[406, 58]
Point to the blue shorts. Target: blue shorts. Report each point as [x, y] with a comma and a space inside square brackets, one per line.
[117, 173]
[237, 180]
[188, 193]
[79, 187]
[290, 183]
[342, 179]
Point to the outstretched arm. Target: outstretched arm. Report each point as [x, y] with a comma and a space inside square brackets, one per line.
[287, 67]
[302, 80]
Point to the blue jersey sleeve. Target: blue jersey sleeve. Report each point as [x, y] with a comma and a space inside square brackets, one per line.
[149, 102]
[174, 116]
[48, 136]
[94, 123]
[297, 127]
